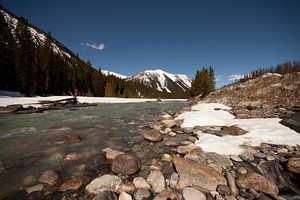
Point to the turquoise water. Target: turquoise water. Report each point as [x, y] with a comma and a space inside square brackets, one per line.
[32, 143]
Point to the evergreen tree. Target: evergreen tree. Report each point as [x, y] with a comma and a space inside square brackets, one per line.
[204, 82]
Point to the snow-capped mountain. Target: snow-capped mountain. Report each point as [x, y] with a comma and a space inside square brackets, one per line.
[163, 81]
[38, 36]
[106, 72]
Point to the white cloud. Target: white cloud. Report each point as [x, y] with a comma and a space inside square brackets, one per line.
[97, 46]
[218, 78]
[235, 77]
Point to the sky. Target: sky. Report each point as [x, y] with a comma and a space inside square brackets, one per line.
[130, 36]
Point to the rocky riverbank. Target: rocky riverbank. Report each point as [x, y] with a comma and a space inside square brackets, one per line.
[168, 165]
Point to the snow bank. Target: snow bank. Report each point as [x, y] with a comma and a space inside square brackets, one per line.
[35, 101]
[259, 130]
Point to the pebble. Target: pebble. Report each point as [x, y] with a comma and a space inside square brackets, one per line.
[167, 157]
[172, 134]
[242, 170]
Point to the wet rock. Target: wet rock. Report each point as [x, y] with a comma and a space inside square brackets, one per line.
[198, 175]
[173, 180]
[141, 194]
[125, 196]
[50, 177]
[11, 108]
[196, 157]
[153, 136]
[231, 183]
[169, 123]
[106, 182]
[156, 180]
[141, 183]
[189, 149]
[282, 150]
[270, 158]
[110, 155]
[294, 165]
[242, 170]
[224, 190]
[35, 188]
[125, 164]
[72, 156]
[185, 142]
[72, 138]
[172, 134]
[167, 157]
[246, 156]
[74, 183]
[106, 195]
[192, 139]
[246, 195]
[217, 158]
[232, 130]
[128, 187]
[236, 158]
[190, 193]
[171, 144]
[167, 195]
[258, 183]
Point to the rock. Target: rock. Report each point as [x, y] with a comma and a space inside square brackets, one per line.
[106, 195]
[224, 190]
[72, 138]
[172, 134]
[72, 156]
[168, 130]
[125, 196]
[35, 188]
[258, 183]
[167, 195]
[219, 197]
[169, 123]
[216, 166]
[166, 116]
[246, 195]
[236, 158]
[156, 180]
[282, 150]
[294, 165]
[232, 130]
[167, 157]
[171, 144]
[110, 155]
[141, 194]
[153, 136]
[198, 175]
[136, 148]
[128, 187]
[185, 142]
[125, 164]
[141, 183]
[74, 183]
[270, 158]
[11, 108]
[196, 157]
[221, 159]
[173, 180]
[190, 193]
[242, 170]
[50, 177]
[231, 183]
[189, 149]
[246, 156]
[192, 139]
[106, 182]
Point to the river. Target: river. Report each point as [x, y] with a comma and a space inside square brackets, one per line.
[33, 143]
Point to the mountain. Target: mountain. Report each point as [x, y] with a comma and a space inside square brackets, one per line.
[108, 73]
[163, 81]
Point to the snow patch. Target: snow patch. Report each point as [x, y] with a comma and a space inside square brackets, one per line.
[106, 72]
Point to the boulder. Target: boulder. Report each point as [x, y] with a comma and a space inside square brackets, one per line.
[294, 165]
[74, 183]
[189, 149]
[167, 195]
[106, 182]
[141, 183]
[232, 130]
[258, 183]
[106, 195]
[202, 177]
[72, 138]
[50, 177]
[157, 181]
[190, 193]
[153, 136]
[169, 123]
[125, 164]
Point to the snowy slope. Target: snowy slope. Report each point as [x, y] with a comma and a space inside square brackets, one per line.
[163, 81]
[105, 72]
[38, 36]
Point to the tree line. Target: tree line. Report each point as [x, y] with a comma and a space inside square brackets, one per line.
[35, 69]
[204, 82]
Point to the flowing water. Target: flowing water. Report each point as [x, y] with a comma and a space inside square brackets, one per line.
[33, 143]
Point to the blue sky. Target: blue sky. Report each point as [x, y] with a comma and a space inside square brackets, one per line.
[126, 36]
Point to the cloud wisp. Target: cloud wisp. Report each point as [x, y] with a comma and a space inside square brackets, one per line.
[235, 77]
[97, 46]
[218, 78]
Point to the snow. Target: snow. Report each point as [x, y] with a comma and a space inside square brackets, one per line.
[258, 130]
[106, 72]
[35, 101]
